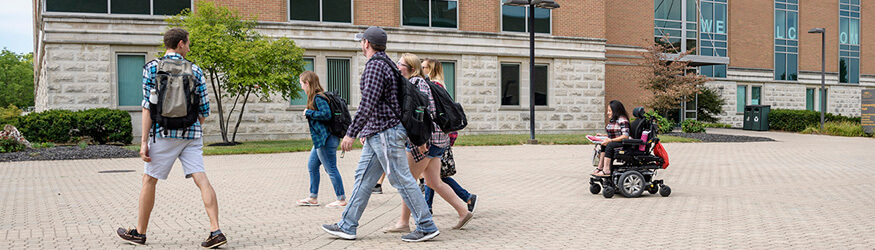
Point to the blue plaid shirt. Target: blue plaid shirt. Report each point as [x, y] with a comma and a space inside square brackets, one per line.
[316, 118]
[195, 131]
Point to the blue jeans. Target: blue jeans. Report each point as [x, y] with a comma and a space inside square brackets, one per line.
[461, 192]
[384, 152]
[325, 156]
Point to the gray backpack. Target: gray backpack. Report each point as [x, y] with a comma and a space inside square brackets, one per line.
[178, 102]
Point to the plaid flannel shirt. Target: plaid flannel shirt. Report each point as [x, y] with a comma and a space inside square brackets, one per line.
[618, 128]
[379, 108]
[317, 118]
[195, 131]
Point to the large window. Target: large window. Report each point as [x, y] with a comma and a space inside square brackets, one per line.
[302, 97]
[740, 98]
[700, 26]
[849, 41]
[809, 99]
[450, 77]
[515, 18]
[338, 77]
[430, 13]
[510, 84]
[541, 85]
[675, 19]
[141, 7]
[321, 10]
[713, 39]
[129, 73]
[786, 39]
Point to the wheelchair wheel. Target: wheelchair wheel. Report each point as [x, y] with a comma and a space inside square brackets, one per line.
[631, 184]
[653, 190]
[595, 188]
[609, 192]
[666, 191]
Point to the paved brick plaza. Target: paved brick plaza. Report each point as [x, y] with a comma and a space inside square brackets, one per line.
[799, 191]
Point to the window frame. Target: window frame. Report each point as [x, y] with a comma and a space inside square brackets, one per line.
[349, 76]
[116, 86]
[858, 18]
[526, 19]
[305, 93]
[321, 14]
[740, 108]
[401, 15]
[109, 9]
[455, 78]
[786, 53]
[546, 84]
[812, 97]
[500, 96]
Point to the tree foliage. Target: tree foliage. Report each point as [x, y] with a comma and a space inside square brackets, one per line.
[667, 77]
[710, 105]
[16, 79]
[238, 61]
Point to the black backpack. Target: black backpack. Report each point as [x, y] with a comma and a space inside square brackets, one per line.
[414, 108]
[449, 115]
[340, 118]
[178, 102]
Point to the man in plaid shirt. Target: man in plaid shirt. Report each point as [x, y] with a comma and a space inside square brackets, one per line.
[379, 127]
[161, 152]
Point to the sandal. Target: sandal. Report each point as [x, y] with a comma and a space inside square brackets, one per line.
[596, 171]
[306, 202]
[336, 204]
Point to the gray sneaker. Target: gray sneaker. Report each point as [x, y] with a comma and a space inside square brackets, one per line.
[333, 229]
[472, 203]
[418, 236]
[377, 189]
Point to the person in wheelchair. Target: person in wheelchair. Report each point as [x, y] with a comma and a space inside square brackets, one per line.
[617, 129]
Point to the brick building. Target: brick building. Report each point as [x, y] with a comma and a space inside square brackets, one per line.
[89, 54]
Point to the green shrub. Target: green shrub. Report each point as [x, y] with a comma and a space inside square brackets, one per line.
[105, 125]
[710, 105]
[692, 126]
[43, 145]
[9, 115]
[665, 126]
[48, 126]
[716, 125]
[10, 145]
[837, 128]
[799, 120]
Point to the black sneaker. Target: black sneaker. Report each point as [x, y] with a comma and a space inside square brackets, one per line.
[422, 185]
[418, 236]
[377, 189]
[131, 236]
[472, 203]
[214, 241]
[333, 229]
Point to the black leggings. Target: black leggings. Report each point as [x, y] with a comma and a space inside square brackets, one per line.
[610, 148]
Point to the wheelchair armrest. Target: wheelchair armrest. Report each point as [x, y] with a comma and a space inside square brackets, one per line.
[633, 142]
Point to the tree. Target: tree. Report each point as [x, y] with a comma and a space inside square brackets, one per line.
[16, 79]
[710, 105]
[667, 77]
[238, 61]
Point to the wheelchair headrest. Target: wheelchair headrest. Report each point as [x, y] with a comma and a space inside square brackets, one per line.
[638, 112]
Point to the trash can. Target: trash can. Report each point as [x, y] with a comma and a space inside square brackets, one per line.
[748, 123]
[760, 117]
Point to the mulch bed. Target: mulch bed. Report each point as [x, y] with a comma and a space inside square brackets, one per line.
[69, 153]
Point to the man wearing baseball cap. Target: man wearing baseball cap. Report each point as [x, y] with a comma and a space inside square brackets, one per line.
[379, 128]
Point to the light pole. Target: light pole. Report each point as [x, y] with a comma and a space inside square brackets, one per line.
[822, 32]
[532, 4]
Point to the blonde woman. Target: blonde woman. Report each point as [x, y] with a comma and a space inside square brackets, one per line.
[324, 150]
[426, 159]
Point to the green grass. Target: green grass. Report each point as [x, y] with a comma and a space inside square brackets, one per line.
[285, 146]
[843, 128]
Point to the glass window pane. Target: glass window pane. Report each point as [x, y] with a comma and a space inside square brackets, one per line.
[667, 9]
[740, 98]
[792, 25]
[855, 70]
[338, 77]
[792, 67]
[444, 14]
[720, 71]
[707, 21]
[302, 97]
[510, 84]
[809, 99]
[513, 18]
[450, 77]
[130, 7]
[170, 7]
[755, 95]
[780, 66]
[542, 20]
[780, 24]
[844, 70]
[84, 6]
[540, 85]
[720, 18]
[854, 32]
[304, 10]
[415, 12]
[843, 30]
[337, 11]
[691, 10]
[130, 79]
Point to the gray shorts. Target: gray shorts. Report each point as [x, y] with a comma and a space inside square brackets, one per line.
[165, 151]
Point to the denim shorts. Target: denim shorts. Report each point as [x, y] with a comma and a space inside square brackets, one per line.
[433, 151]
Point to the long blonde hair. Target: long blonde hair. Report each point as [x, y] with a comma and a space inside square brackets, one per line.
[414, 63]
[315, 88]
[436, 71]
